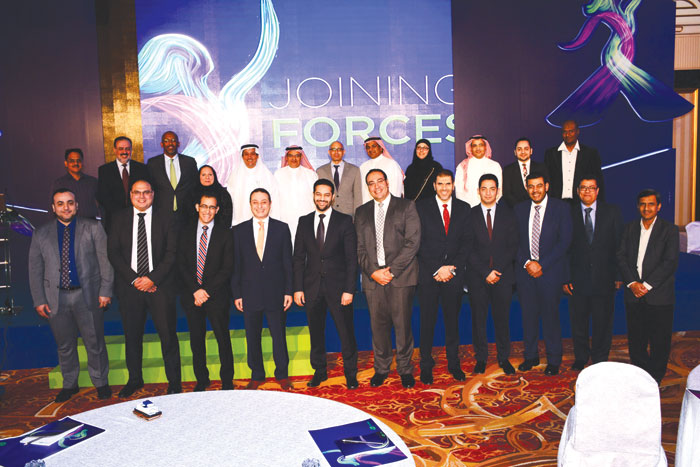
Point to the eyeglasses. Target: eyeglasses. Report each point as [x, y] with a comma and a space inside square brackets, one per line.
[207, 207]
[422, 148]
[142, 193]
[337, 149]
[379, 180]
[169, 141]
[588, 188]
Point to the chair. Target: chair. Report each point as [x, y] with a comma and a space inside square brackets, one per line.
[688, 442]
[616, 420]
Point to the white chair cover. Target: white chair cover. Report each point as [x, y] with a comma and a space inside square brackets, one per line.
[616, 420]
[693, 231]
[688, 442]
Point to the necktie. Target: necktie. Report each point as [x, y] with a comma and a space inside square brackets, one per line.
[489, 227]
[125, 183]
[525, 174]
[65, 258]
[535, 245]
[202, 254]
[142, 267]
[173, 182]
[260, 244]
[446, 218]
[320, 232]
[588, 224]
[336, 177]
[380, 235]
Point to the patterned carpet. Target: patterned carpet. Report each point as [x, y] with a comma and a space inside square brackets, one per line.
[489, 420]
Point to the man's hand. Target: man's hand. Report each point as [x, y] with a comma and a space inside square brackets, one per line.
[287, 302]
[144, 284]
[239, 304]
[346, 299]
[104, 301]
[568, 288]
[382, 276]
[200, 297]
[638, 289]
[43, 310]
[299, 298]
[618, 284]
[534, 269]
[493, 277]
[444, 274]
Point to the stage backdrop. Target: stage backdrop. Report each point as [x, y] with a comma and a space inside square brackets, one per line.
[523, 68]
[223, 74]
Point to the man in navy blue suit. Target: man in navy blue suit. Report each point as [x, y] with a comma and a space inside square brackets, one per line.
[262, 285]
[544, 236]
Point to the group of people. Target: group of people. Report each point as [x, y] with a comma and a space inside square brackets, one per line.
[541, 229]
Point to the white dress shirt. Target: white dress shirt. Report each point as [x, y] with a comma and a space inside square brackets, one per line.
[256, 227]
[484, 211]
[176, 163]
[135, 238]
[644, 235]
[532, 217]
[568, 167]
[120, 167]
[210, 227]
[440, 206]
[381, 261]
[326, 220]
[520, 168]
[594, 209]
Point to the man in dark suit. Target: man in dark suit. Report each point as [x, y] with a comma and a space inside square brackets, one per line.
[142, 247]
[490, 274]
[205, 263]
[71, 283]
[593, 271]
[544, 236]
[325, 272]
[113, 180]
[174, 176]
[388, 238]
[648, 258]
[514, 175]
[442, 256]
[568, 162]
[346, 178]
[262, 285]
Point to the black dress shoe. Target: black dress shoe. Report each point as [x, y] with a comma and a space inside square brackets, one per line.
[65, 394]
[480, 367]
[458, 374]
[104, 392]
[578, 365]
[408, 381]
[506, 367]
[129, 388]
[528, 364]
[174, 388]
[254, 384]
[201, 386]
[351, 382]
[317, 379]
[378, 379]
[426, 377]
[551, 370]
[227, 386]
[286, 384]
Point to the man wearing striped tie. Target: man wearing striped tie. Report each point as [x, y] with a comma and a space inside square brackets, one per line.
[544, 236]
[205, 264]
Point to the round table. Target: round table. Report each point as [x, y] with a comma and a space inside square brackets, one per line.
[214, 428]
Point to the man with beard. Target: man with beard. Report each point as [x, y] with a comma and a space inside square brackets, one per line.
[514, 175]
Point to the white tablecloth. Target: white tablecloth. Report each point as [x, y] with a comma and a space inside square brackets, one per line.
[214, 428]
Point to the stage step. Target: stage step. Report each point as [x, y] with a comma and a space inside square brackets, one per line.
[298, 345]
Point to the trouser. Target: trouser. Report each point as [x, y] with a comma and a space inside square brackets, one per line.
[649, 329]
[540, 299]
[276, 321]
[499, 296]
[593, 312]
[343, 319]
[218, 315]
[429, 295]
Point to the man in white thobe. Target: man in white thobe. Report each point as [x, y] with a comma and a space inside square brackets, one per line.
[375, 148]
[245, 179]
[477, 163]
[296, 180]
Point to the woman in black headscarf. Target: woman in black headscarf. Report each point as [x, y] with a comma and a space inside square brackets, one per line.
[208, 183]
[421, 174]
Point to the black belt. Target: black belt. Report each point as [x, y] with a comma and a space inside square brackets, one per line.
[70, 288]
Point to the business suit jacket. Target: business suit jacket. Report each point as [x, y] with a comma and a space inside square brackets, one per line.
[501, 247]
[262, 284]
[163, 249]
[587, 162]
[95, 274]
[164, 191]
[110, 189]
[349, 196]
[514, 190]
[593, 267]
[218, 267]
[401, 242]
[437, 248]
[555, 239]
[335, 265]
[660, 262]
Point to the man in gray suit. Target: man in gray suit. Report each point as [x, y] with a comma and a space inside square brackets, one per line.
[388, 238]
[71, 283]
[346, 178]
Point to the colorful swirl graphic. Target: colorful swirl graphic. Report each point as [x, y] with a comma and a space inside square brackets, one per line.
[648, 97]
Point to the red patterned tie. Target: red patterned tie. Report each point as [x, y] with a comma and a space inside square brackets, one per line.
[202, 254]
[446, 218]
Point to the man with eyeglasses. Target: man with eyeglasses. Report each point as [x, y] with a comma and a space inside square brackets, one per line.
[597, 229]
[346, 178]
[388, 237]
[205, 265]
[141, 247]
